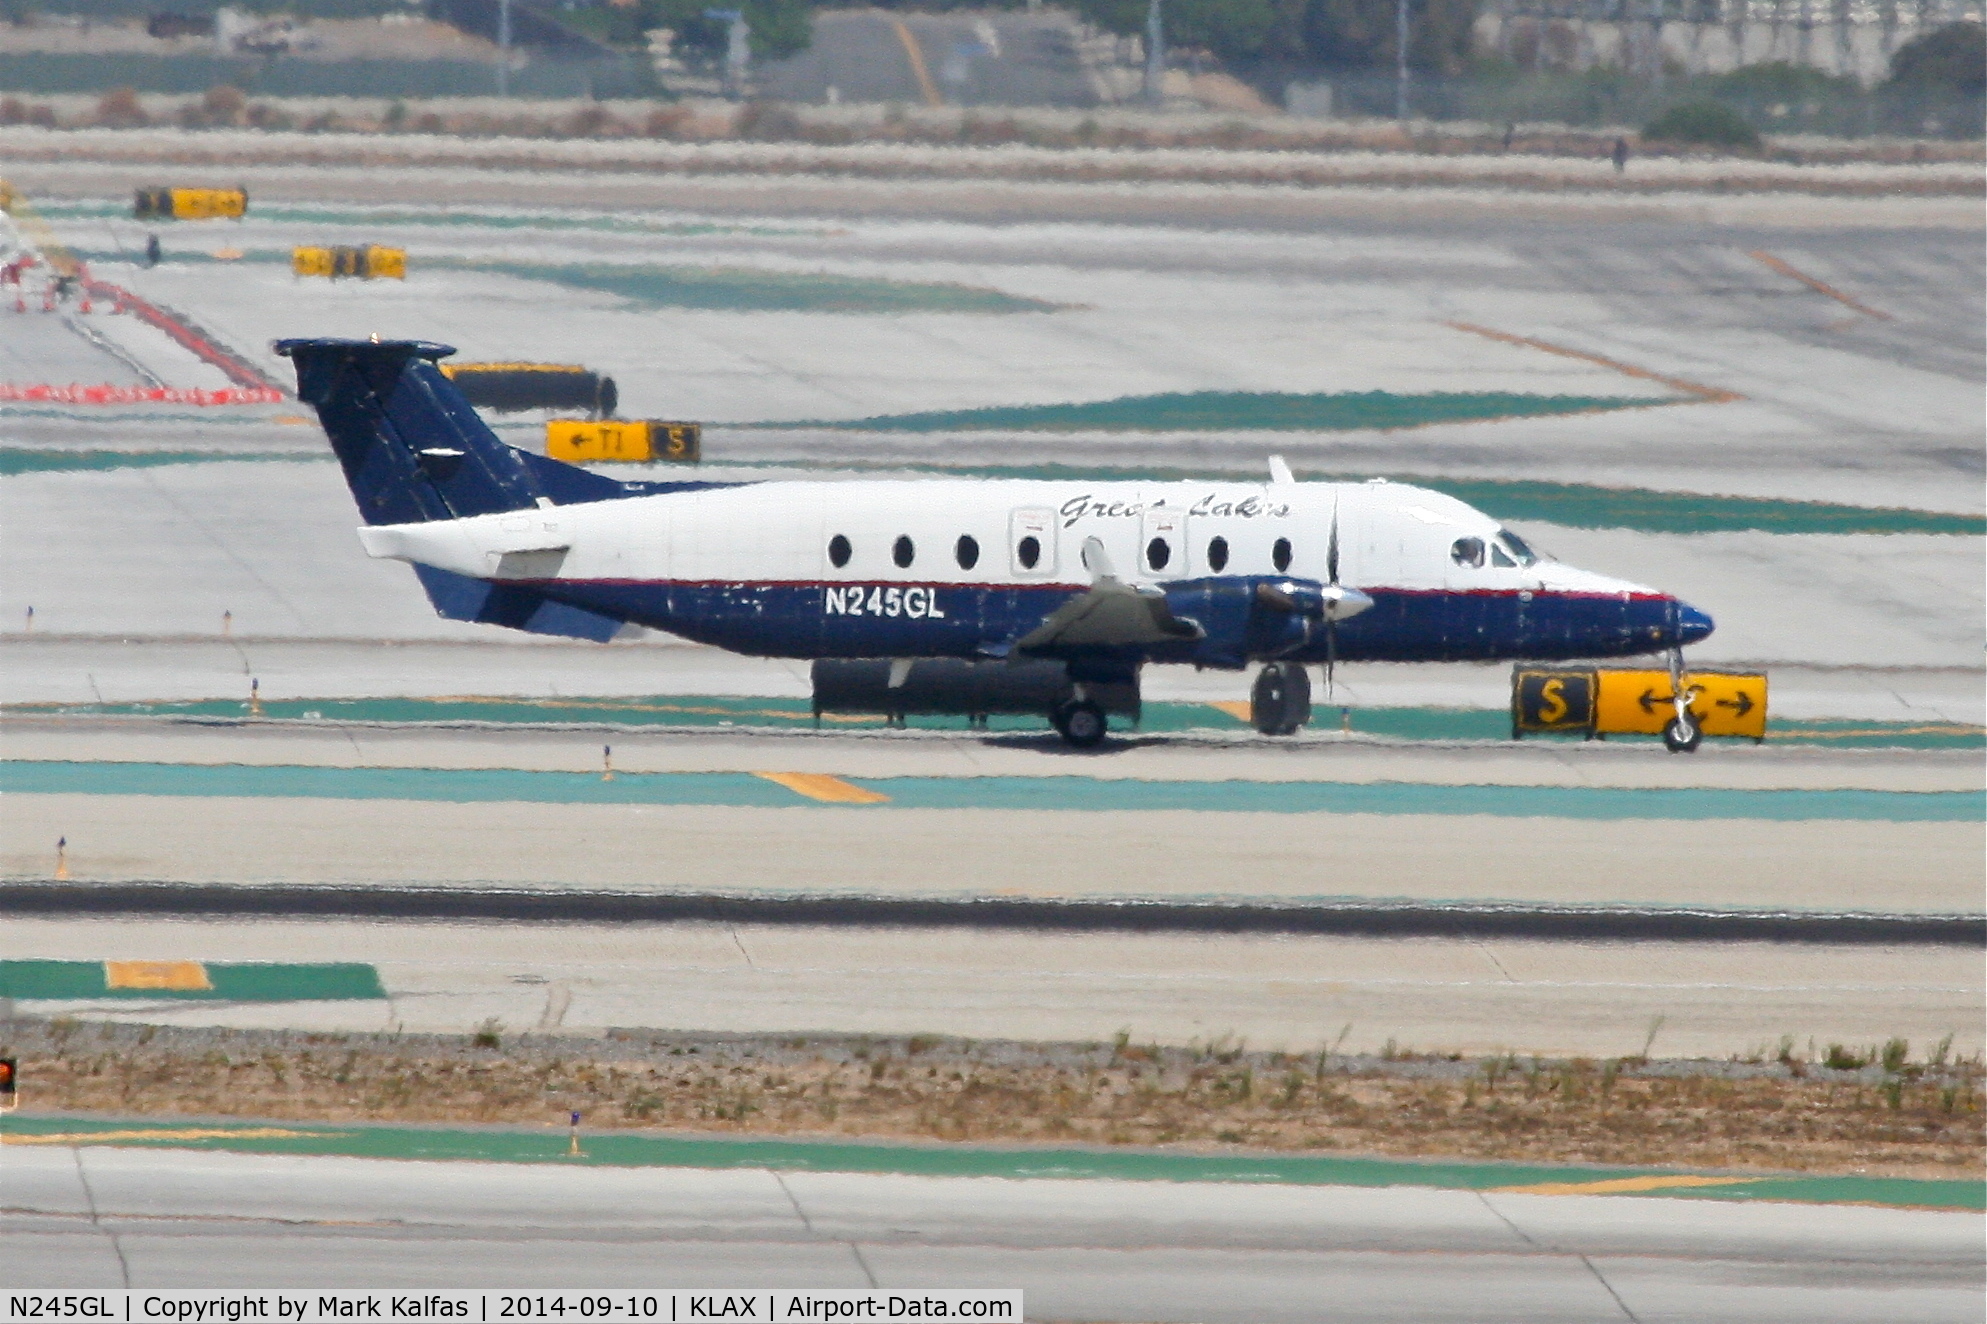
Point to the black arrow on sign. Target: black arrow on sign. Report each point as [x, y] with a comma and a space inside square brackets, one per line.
[1742, 705]
[1649, 700]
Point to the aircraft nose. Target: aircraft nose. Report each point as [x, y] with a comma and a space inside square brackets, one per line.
[1692, 623]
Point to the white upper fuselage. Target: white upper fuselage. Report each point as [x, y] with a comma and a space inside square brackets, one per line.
[1390, 535]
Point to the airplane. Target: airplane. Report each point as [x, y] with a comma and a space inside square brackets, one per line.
[1043, 596]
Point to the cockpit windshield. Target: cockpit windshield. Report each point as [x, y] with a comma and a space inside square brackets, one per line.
[1517, 547]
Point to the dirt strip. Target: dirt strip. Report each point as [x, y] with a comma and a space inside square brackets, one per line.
[1828, 1110]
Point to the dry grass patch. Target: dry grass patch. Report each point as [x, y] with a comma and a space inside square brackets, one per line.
[1876, 1112]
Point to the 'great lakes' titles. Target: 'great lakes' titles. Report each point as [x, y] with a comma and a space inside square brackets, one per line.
[1213, 504]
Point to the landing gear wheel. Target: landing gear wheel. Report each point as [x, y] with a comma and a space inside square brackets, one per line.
[1682, 736]
[1081, 722]
[1280, 701]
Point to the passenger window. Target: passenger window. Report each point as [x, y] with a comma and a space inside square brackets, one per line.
[903, 552]
[968, 551]
[1279, 555]
[1467, 551]
[1217, 554]
[1157, 553]
[838, 551]
[1029, 552]
[1497, 557]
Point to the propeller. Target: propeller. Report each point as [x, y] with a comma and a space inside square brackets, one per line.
[1333, 603]
[1332, 590]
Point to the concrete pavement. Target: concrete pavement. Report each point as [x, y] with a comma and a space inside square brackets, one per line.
[1593, 999]
[1092, 1250]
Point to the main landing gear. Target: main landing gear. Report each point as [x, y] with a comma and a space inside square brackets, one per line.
[1081, 723]
[1280, 700]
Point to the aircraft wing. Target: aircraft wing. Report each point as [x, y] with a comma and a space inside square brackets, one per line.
[1112, 614]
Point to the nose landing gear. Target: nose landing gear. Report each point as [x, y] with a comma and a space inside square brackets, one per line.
[1683, 733]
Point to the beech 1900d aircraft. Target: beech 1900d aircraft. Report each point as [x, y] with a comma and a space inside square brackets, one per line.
[1007, 595]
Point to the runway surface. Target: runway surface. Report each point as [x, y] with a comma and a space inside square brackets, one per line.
[1448, 993]
[1098, 1250]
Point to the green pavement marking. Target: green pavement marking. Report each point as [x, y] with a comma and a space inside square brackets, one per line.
[484, 785]
[26, 460]
[1242, 410]
[256, 982]
[1408, 723]
[625, 1149]
[741, 289]
[719, 289]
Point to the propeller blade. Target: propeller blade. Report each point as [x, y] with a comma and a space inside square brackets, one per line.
[1331, 656]
[1331, 548]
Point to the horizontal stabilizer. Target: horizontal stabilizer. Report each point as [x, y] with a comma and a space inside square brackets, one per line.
[461, 598]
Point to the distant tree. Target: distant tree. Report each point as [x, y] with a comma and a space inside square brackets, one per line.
[1938, 84]
[1950, 59]
[1702, 123]
[1780, 81]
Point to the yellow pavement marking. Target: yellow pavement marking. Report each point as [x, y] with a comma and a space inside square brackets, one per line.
[917, 59]
[1709, 394]
[1619, 1185]
[1819, 287]
[1235, 708]
[184, 1133]
[822, 786]
[180, 975]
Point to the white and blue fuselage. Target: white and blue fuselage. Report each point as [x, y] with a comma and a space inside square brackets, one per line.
[964, 568]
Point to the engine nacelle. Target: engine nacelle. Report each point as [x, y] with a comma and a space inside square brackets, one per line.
[953, 686]
[1254, 617]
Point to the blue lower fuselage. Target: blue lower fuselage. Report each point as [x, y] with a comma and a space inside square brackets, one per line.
[818, 620]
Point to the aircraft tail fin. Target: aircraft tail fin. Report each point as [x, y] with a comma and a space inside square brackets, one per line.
[413, 449]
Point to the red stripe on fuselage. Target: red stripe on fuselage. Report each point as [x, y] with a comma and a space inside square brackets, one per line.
[1596, 594]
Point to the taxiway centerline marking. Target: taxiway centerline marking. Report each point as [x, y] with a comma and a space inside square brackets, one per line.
[824, 787]
[1708, 394]
[1820, 287]
[916, 56]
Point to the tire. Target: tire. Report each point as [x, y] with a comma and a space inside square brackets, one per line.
[1280, 700]
[1681, 736]
[1082, 723]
